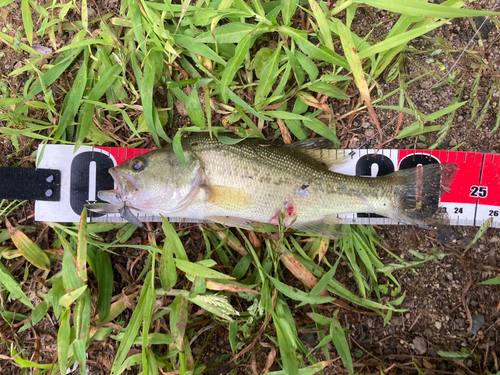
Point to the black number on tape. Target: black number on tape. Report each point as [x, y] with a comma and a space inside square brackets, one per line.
[364, 168]
[479, 191]
[493, 213]
[84, 184]
[459, 210]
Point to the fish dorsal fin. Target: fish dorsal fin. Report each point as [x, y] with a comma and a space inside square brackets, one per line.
[231, 221]
[227, 197]
[322, 150]
[331, 227]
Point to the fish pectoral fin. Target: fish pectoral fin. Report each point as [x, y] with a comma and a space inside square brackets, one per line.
[228, 198]
[328, 227]
[104, 208]
[231, 221]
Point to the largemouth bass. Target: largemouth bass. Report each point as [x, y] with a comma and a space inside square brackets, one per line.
[255, 181]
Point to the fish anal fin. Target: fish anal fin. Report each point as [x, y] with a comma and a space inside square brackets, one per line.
[228, 197]
[231, 221]
[331, 227]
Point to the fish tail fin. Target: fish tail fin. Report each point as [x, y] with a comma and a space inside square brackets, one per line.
[417, 192]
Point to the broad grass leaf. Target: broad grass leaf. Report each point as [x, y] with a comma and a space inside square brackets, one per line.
[172, 236]
[310, 370]
[299, 295]
[149, 305]
[81, 254]
[193, 45]
[168, 272]
[38, 313]
[104, 274]
[81, 318]
[232, 32]
[308, 65]
[233, 65]
[398, 40]
[4, 3]
[8, 102]
[28, 248]
[199, 270]
[13, 287]
[288, 8]
[206, 302]
[297, 129]
[267, 78]
[285, 115]
[423, 9]
[235, 98]
[105, 81]
[178, 321]
[349, 46]
[327, 89]
[67, 299]
[73, 99]
[27, 20]
[288, 355]
[87, 43]
[414, 129]
[300, 271]
[146, 90]
[70, 278]
[321, 128]
[309, 49]
[134, 12]
[63, 339]
[494, 281]
[177, 146]
[322, 24]
[340, 342]
[194, 109]
[133, 327]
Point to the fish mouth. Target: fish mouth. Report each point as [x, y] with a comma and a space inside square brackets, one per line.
[125, 188]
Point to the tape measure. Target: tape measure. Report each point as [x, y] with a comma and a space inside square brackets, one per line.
[474, 196]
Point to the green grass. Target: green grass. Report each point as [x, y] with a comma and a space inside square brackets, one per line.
[208, 57]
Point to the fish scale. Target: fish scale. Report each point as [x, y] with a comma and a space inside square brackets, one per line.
[271, 174]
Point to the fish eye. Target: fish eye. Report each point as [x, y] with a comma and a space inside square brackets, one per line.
[137, 165]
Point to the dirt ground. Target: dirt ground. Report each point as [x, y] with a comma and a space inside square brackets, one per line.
[447, 308]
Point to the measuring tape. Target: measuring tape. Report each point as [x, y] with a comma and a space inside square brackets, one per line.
[473, 199]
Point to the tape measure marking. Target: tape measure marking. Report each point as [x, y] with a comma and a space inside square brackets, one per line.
[474, 196]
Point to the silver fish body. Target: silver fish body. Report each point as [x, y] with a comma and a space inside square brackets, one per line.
[255, 181]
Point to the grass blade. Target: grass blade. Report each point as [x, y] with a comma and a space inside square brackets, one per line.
[73, 100]
[423, 9]
[233, 64]
[309, 49]
[8, 282]
[322, 23]
[178, 321]
[168, 273]
[340, 342]
[132, 328]
[104, 274]
[81, 254]
[63, 338]
[27, 20]
[288, 8]
[267, 78]
[28, 248]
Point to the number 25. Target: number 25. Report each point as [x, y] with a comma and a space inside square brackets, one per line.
[479, 191]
